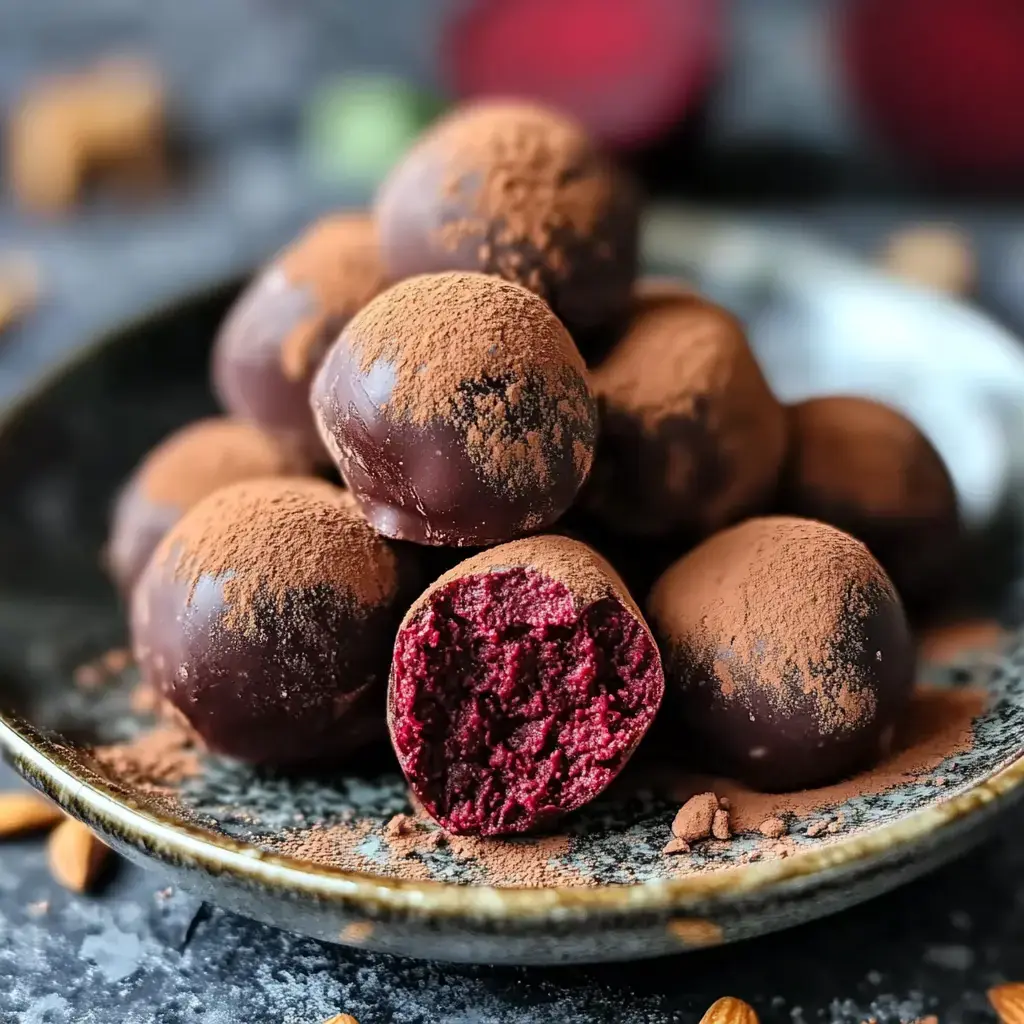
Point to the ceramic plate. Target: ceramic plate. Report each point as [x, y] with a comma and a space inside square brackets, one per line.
[327, 855]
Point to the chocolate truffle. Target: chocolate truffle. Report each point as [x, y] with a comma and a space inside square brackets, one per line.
[522, 681]
[692, 438]
[866, 469]
[266, 617]
[520, 191]
[184, 468]
[458, 410]
[275, 335]
[787, 653]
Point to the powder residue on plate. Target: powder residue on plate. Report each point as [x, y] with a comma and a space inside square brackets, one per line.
[156, 761]
[401, 847]
[938, 725]
[951, 642]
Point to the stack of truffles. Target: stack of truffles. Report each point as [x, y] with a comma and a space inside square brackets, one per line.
[479, 362]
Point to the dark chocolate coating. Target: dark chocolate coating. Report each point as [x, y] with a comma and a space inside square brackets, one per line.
[247, 373]
[137, 527]
[418, 481]
[306, 685]
[834, 452]
[735, 706]
[588, 283]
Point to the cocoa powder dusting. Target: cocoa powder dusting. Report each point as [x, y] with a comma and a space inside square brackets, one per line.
[263, 538]
[530, 180]
[436, 338]
[740, 584]
[584, 573]
[212, 453]
[338, 261]
[684, 360]
[869, 456]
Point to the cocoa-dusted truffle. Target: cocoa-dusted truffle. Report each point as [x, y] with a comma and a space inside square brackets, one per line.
[520, 191]
[458, 410]
[787, 653]
[184, 468]
[266, 616]
[522, 681]
[275, 335]
[692, 438]
[866, 469]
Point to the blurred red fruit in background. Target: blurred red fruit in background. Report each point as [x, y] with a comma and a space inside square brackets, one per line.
[941, 81]
[628, 69]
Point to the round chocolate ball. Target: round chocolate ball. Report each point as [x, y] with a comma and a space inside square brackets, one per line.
[521, 683]
[520, 191]
[692, 437]
[787, 653]
[266, 617]
[275, 335]
[458, 410]
[868, 470]
[183, 469]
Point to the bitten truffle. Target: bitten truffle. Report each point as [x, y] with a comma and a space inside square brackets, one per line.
[266, 616]
[520, 191]
[458, 410]
[275, 335]
[868, 470]
[184, 468]
[692, 438]
[522, 681]
[787, 653]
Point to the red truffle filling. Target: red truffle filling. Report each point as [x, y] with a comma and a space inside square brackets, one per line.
[509, 708]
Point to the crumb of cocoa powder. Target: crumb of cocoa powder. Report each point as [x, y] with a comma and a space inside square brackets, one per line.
[773, 828]
[676, 845]
[720, 825]
[816, 828]
[695, 818]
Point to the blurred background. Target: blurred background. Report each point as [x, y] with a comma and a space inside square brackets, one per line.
[150, 147]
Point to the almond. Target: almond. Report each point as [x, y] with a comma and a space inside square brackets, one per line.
[26, 812]
[730, 1010]
[76, 855]
[1008, 1002]
[342, 1018]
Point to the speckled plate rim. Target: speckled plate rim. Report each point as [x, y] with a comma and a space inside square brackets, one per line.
[159, 836]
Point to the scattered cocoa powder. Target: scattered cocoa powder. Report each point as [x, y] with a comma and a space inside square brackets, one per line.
[211, 453]
[154, 762]
[263, 538]
[937, 726]
[952, 641]
[338, 261]
[103, 669]
[435, 334]
[816, 828]
[775, 597]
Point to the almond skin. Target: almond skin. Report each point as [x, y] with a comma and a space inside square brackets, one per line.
[730, 1010]
[76, 855]
[21, 813]
[1008, 1002]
